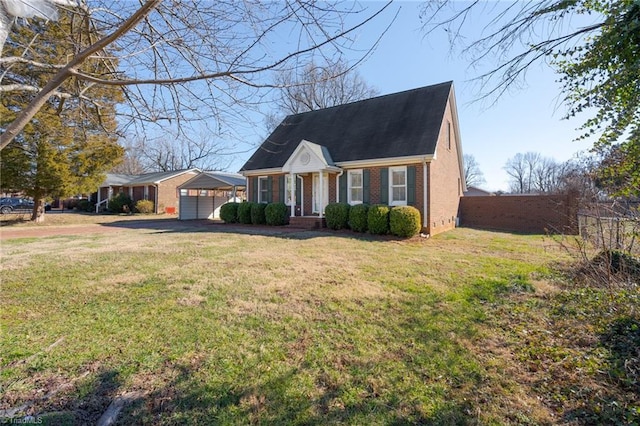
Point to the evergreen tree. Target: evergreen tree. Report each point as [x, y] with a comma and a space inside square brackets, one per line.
[71, 142]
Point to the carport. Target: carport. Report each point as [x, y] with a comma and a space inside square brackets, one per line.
[202, 196]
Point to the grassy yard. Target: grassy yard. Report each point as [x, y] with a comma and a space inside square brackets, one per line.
[468, 327]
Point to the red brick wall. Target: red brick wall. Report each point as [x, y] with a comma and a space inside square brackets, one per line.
[168, 192]
[521, 213]
[138, 194]
[445, 179]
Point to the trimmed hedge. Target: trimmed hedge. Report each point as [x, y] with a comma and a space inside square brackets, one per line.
[144, 206]
[257, 214]
[337, 215]
[85, 206]
[121, 203]
[404, 221]
[229, 212]
[276, 214]
[244, 213]
[378, 219]
[358, 217]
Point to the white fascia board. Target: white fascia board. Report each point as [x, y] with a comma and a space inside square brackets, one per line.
[178, 173]
[456, 128]
[262, 172]
[390, 161]
[278, 170]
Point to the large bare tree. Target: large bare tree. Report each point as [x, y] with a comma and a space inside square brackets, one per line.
[186, 61]
[321, 86]
[533, 173]
[316, 86]
[472, 173]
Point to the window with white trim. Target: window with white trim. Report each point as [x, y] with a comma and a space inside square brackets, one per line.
[398, 186]
[355, 187]
[263, 189]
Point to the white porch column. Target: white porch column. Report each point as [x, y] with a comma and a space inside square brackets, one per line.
[425, 199]
[302, 195]
[292, 188]
[321, 191]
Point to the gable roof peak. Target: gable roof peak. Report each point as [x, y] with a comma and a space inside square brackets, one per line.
[378, 97]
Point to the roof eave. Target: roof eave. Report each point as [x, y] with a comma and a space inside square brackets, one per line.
[390, 161]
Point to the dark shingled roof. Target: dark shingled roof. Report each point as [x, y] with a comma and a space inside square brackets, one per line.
[396, 125]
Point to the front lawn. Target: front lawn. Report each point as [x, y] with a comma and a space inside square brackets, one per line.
[300, 328]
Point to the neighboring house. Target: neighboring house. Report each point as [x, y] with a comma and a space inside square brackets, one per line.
[474, 191]
[399, 149]
[202, 195]
[160, 187]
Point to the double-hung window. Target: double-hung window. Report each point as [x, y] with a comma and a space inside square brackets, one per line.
[398, 186]
[355, 188]
[263, 189]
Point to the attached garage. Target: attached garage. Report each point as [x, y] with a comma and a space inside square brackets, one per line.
[202, 196]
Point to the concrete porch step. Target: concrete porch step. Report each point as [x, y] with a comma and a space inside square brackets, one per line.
[308, 222]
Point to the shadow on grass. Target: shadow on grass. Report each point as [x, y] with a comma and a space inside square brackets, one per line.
[623, 341]
[618, 402]
[162, 226]
[82, 403]
[275, 401]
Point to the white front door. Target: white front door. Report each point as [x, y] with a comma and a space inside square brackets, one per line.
[320, 192]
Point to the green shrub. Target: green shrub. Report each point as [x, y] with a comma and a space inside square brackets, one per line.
[337, 215]
[229, 212]
[121, 203]
[71, 203]
[378, 219]
[257, 214]
[144, 206]
[244, 213]
[358, 217]
[276, 214]
[404, 221]
[85, 205]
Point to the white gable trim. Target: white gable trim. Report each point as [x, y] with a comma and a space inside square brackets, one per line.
[456, 130]
[309, 157]
[261, 172]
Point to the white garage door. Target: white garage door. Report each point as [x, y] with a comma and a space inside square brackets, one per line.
[200, 207]
[188, 207]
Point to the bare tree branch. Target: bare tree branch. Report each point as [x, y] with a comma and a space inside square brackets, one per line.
[179, 62]
[23, 118]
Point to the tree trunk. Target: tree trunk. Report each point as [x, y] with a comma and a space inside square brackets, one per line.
[37, 215]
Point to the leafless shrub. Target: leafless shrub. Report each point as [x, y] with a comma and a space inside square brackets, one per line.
[606, 249]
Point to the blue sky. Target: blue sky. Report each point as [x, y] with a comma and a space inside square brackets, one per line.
[525, 119]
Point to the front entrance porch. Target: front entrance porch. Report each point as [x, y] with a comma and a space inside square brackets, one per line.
[307, 222]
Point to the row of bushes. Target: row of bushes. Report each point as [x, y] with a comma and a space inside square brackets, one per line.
[122, 203]
[402, 221]
[275, 214]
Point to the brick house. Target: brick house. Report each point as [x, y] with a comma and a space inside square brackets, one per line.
[398, 149]
[160, 187]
